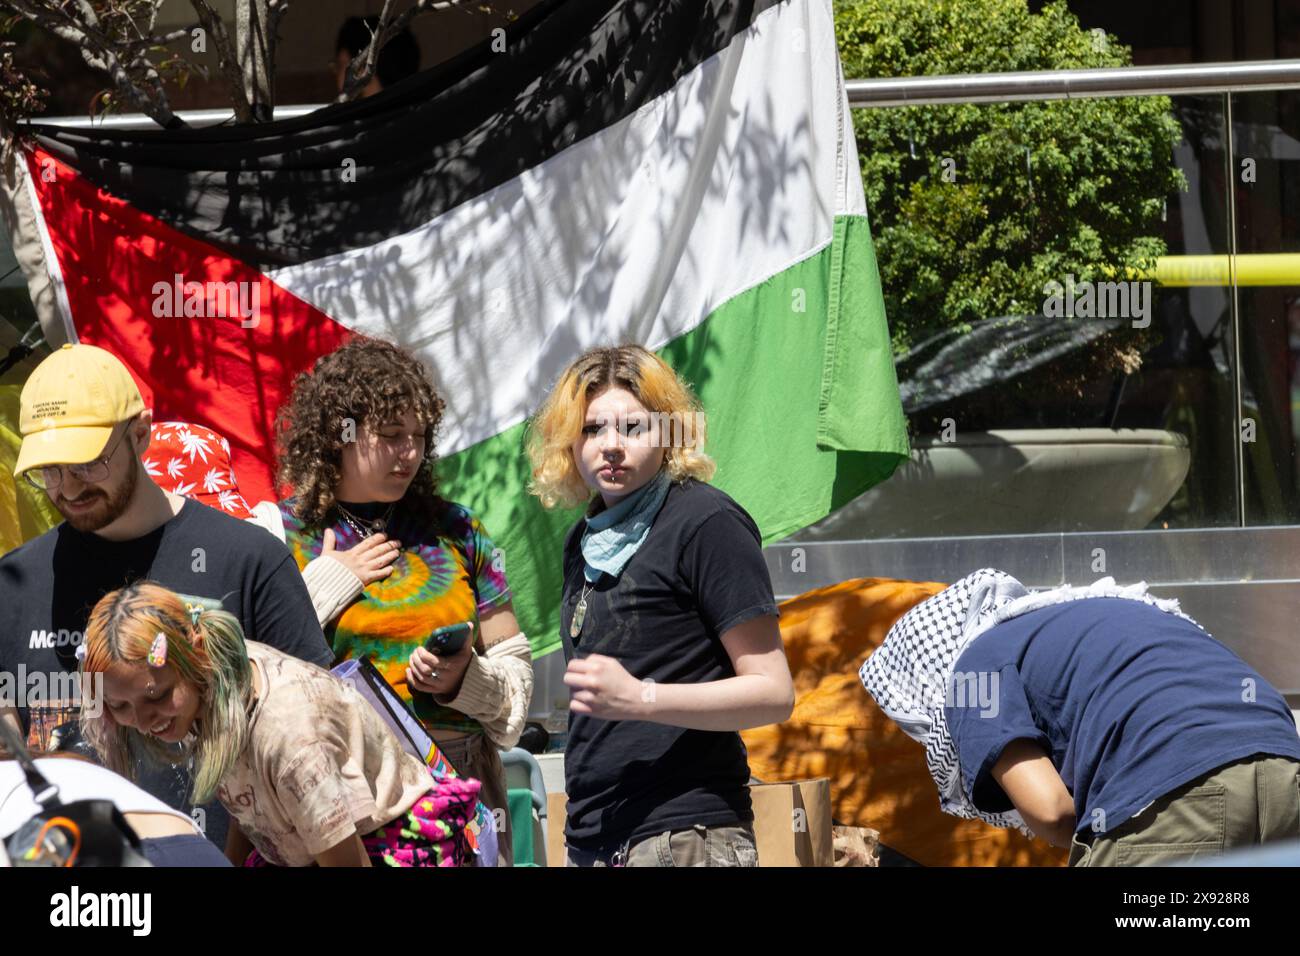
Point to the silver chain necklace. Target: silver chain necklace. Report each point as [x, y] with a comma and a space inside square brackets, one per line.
[365, 529]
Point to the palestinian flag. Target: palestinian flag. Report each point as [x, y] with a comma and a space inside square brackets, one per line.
[679, 173]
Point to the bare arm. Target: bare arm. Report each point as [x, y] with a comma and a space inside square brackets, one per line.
[494, 686]
[762, 692]
[351, 852]
[1026, 774]
[238, 846]
[497, 625]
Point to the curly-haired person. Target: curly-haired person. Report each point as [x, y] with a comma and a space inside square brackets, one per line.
[387, 560]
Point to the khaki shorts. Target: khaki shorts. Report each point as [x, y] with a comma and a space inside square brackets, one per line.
[693, 846]
[1245, 803]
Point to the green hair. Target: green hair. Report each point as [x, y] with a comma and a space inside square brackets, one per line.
[205, 648]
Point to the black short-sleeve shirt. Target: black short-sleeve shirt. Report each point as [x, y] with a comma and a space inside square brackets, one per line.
[50, 584]
[699, 573]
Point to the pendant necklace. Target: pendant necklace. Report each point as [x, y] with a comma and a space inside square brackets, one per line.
[365, 529]
[580, 613]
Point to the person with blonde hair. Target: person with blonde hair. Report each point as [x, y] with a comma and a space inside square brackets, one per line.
[307, 769]
[668, 620]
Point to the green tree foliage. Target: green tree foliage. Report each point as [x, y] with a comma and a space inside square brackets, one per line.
[975, 207]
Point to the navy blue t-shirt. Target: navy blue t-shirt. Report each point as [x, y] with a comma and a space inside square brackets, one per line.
[1130, 702]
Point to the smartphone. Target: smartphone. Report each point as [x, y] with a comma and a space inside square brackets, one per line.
[447, 641]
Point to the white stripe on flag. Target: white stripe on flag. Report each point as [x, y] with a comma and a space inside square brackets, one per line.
[636, 233]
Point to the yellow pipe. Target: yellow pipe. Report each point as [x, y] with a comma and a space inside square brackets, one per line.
[1253, 269]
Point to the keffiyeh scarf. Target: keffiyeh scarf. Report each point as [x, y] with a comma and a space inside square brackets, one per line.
[909, 674]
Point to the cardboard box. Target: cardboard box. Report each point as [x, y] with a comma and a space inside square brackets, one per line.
[557, 808]
[792, 823]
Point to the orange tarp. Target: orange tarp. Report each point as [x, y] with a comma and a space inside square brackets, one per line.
[878, 774]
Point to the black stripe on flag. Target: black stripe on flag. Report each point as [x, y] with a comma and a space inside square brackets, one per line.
[275, 194]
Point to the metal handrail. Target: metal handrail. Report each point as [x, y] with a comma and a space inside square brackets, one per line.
[195, 118]
[1013, 87]
[1070, 84]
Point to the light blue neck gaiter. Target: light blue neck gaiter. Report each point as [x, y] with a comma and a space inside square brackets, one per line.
[614, 535]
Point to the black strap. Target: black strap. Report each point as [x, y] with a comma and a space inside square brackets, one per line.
[44, 792]
[382, 689]
[106, 838]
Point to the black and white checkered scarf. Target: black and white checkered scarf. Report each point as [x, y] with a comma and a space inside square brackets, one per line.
[909, 674]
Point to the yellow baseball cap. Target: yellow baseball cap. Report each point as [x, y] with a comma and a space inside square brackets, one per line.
[70, 404]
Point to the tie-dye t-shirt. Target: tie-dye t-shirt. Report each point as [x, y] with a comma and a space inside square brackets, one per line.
[447, 572]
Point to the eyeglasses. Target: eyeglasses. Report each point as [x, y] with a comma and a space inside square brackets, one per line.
[51, 476]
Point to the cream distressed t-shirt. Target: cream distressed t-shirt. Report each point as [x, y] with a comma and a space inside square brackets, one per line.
[320, 763]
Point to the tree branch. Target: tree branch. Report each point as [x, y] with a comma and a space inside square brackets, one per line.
[227, 61]
[97, 50]
[182, 34]
[255, 52]
[278, 9]
[153, 15]
[362, 69]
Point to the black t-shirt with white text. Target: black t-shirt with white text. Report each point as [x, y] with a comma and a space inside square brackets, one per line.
[699, 572]
[49, 585]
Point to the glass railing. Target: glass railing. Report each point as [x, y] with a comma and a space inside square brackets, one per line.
[1094, 300]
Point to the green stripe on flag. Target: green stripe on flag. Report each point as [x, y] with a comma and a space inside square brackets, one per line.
[858, 377]
[797, 382]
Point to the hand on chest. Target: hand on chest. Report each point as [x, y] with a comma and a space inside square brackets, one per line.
[420, 573]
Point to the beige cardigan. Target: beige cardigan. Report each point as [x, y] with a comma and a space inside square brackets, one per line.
[498, 685]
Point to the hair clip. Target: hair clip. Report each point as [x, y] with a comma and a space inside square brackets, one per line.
[158, 651]
[195, 610]
[81, 651]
